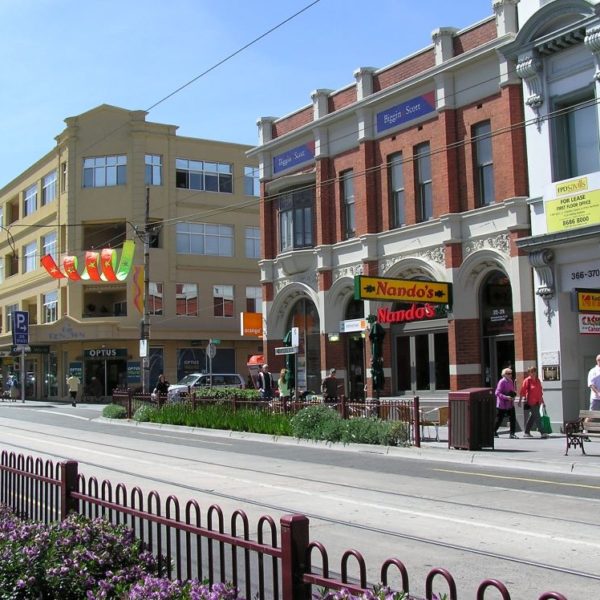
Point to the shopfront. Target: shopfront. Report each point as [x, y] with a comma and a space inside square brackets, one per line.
[105, 369]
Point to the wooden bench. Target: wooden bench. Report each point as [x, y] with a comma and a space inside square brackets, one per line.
[584, 429]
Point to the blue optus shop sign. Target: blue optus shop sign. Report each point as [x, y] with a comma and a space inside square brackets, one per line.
[405, 112]
[293, 157]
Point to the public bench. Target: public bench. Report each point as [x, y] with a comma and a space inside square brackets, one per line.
[586, 427]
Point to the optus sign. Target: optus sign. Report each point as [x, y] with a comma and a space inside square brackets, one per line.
[402, 290]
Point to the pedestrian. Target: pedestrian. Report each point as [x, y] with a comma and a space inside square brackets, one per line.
[505, 395]
[265, 381]
[532, 392]
[283, 383]
[14, 388]
[329, 388]
[593, 382]
[73, 384]
[162, 385]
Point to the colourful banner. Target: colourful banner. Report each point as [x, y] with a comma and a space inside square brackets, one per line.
[138, 288]
[98, 266]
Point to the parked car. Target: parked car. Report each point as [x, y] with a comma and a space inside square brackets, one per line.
[197, 381]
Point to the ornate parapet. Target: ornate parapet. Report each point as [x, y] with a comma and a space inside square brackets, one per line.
[500, 242]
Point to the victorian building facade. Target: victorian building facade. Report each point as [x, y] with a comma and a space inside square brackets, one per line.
[412, 178]
[111, 176]
[557, 54]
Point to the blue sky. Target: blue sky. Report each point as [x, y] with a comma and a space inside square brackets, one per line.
[59, 58]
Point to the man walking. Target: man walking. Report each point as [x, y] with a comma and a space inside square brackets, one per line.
[73, 384]
[265, 380]
[329, 388]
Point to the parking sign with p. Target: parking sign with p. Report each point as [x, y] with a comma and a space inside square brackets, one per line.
[20, 327]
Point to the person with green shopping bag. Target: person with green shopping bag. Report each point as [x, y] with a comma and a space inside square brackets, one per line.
[532, 392]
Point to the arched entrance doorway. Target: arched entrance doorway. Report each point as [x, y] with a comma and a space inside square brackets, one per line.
[355, 352]
[496, 310]
[305, 316]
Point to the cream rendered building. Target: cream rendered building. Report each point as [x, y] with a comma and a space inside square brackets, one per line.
[90, 193]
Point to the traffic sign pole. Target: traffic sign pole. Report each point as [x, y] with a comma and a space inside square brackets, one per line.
[23, 374]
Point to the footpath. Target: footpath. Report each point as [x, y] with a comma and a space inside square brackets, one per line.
[533, 454]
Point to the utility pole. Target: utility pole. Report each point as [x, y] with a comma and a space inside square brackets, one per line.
[145, 325]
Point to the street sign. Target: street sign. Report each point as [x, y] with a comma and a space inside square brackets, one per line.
[21, 348]
[351, 325]
[20, 327]
[215, 341]
[211, 350]
[295, 336]
[286, 350]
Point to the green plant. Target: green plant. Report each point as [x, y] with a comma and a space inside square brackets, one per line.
[144, 413]
[318, 422]
[114, 411]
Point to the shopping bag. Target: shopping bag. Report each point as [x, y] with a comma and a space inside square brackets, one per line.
[544, 420]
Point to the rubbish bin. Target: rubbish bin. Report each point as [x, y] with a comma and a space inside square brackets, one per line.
[472, 416]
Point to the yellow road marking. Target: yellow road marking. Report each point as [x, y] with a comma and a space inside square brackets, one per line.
[530, 479]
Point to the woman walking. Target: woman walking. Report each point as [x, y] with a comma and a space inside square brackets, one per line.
[532, 391]
[505, 395]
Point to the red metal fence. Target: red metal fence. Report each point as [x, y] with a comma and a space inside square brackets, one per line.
[278, 564]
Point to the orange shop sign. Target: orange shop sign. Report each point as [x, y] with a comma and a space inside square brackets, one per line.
[251, 324]
[402, 290]
[588, 300]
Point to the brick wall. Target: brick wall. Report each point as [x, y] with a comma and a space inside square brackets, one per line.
[475, 37]
[403, 70]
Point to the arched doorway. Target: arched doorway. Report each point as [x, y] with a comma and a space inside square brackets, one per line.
[497, 327]
[355, 352]
[305, 316]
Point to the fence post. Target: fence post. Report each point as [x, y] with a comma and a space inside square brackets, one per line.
[294, 544]
[69, 479]
[343, 407]
[417, 421]
[129, 403]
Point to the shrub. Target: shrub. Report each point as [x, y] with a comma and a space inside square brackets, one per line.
[163, 589]
[74, 559]
[318, 422]
[144, 413]
[114, 411]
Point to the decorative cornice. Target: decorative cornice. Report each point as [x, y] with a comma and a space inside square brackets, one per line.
[430, 255]
[541, 261]
[592, 43]
[529, 68]
[500, 242]
[347, 271]
[308, 278]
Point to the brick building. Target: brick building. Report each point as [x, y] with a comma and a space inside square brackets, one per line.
[415, 171]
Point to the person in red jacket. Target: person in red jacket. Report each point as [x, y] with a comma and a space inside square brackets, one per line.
[531, 390]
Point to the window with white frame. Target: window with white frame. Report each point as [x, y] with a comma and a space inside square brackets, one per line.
[49, 188]
[254, 299]
[204, 239]
[252, 239]
[10, 309]
[30, 200]
[50, 307]
[155, 298]
[423, 182]
[396, 182]
[296, 218]
[204, 175]
[186, 299]
[153, 174]
[575, 138]
[1, 269]
[347, 194]
[104, 171]
[30, 262]
[251, 181]
[49, 245]
[484, 164]
[223, 300]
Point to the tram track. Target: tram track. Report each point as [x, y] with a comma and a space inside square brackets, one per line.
[263, 505]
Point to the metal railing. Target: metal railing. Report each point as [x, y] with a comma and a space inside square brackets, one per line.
[278, 564]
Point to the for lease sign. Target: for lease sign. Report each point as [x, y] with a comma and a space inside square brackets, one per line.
[573, 203]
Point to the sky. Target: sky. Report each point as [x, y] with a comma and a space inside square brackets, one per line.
[60, 58]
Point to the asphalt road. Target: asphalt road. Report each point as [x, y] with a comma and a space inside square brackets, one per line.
[533, 531]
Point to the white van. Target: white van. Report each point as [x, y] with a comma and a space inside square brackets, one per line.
[196, 381]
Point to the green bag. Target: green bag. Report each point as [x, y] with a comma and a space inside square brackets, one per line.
[545, 425]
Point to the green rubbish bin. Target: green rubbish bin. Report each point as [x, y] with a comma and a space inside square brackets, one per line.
[471, 416]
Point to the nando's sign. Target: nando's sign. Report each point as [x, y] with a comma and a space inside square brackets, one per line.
[402, 290]
[416, 300]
